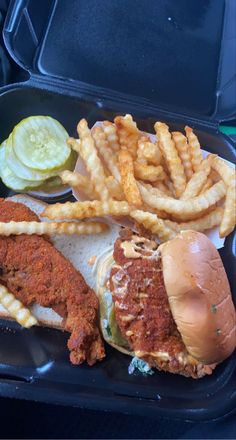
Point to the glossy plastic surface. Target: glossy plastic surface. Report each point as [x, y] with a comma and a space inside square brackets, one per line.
[34, 364]
[177, 55]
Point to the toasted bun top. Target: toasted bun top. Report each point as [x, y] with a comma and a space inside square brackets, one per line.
[199, 296]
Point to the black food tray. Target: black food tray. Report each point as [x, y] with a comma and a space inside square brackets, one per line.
[35, 364]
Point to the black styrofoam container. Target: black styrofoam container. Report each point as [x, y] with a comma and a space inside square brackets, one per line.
[163, 60]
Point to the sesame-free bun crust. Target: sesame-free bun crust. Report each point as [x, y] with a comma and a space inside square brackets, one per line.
[199, 296]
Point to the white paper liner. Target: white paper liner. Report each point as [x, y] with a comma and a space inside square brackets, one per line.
[212, 234]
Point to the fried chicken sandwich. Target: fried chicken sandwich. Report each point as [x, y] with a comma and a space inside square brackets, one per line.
[168, 304]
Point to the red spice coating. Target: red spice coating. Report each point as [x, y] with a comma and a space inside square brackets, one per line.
[35, 272]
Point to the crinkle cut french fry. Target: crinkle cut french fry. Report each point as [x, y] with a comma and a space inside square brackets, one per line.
[171, 157]
[154, 224]
[228, 176]
[160, 214]
[215, 177]
[105, 152]
[184, 154]
[163, 188]
[148, 152]
[153, 190]
[170, 187]
[128, 134]
[16, 309]
[167, 229]
[194, 148]
[53, 228]
[75, 179]
[74, 144]
[197, 180]
[207, 185]
[79, 210]
[226, 172]
[185, 209]
[208, 221]
[110, 131]
[115, 189]
[229, 218]
[128, 181]
[158, 193]
[88, 153]
[150, 173]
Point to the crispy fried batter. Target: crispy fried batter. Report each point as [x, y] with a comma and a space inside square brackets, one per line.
[16, 211]
[35, 272]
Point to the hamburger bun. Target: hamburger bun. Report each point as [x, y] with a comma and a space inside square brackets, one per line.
[199, 296]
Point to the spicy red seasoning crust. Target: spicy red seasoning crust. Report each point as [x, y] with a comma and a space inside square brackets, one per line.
[142, 309]
[35, 272]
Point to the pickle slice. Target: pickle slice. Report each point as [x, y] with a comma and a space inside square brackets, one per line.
[109, 322]
[21, 170]
[69, 164]
[9, 178]
[51, 185]
[39, 142]
[26, 173]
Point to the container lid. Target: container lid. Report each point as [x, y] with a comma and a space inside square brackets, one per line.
[178, 55]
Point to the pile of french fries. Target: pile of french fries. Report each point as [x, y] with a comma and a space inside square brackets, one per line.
[166, 186]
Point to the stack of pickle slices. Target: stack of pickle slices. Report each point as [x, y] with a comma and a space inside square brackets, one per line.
[34, 154]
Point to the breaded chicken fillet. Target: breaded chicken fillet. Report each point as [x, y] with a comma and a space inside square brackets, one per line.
[35, 272]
